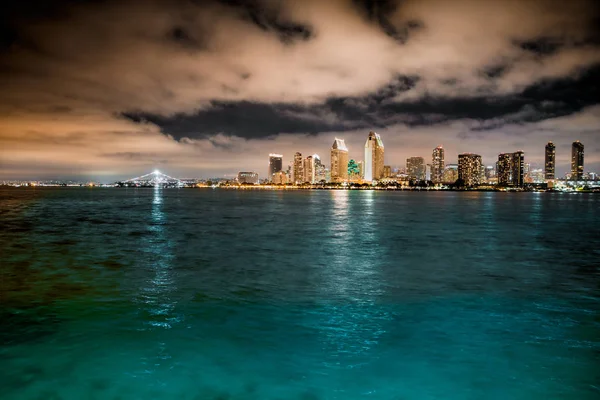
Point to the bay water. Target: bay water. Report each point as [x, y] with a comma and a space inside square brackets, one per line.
[228, 294]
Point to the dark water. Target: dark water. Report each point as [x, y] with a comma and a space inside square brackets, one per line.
[216, 294]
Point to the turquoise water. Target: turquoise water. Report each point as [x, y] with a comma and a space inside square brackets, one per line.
[222, 294]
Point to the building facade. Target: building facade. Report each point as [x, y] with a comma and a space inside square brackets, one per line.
[550, 161]
[275, 164]
[387, 171]
[469, 169]
[503, 168]
[309, 169]
[298, 168]
[450, 174]
[319, 168]
[373, 157]
[577, 161]
[437, 165]
[415, 168]
[339, 161]
[518, 169]
[247, 177]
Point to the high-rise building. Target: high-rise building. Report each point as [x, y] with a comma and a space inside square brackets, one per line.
[373, 157]
[518, 168]
[550, 161]
[298, 168]
[387, 171]
[577, 161]
[428, 172]
[415, 168]
[319, 169]
[275, 165]
[450, 173]
[309, 169]
[339, 161]
[469, 168]
[503, 168]
[247, 177]
[280, 178]
[437, 165]
[490, 172]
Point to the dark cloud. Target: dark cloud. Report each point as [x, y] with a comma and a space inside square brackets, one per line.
[253, 120]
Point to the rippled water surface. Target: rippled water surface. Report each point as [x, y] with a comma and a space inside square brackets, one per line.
[221, 294]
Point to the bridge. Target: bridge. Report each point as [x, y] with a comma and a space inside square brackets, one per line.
[153, 179]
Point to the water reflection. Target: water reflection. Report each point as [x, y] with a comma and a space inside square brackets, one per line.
[351, 322]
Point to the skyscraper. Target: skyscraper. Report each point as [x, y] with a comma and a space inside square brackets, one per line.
[387, 171]
[469, 168]
[309, 169]
[298, 168]
[503, 168]
[415, 168]
[339, 161]
[319, 168]
[437, 165]
[577, 161]
[450, 173]
[275, 165]
[373, 157]
[518, 168]
[550, 161]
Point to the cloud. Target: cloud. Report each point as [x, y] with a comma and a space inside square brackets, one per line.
[114, 85]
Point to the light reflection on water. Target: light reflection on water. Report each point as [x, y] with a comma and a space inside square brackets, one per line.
[208, 294]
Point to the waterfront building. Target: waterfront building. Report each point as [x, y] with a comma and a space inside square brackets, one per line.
[428, 172]
[309, 169]
[280, 178]
[550, 161]
[415, 168]
[298, 168]
[518, 169]
[490, 173]
[247, 177]
[577, 161]
[339, 161]
[353, 171]
[437, 165]
[319, 168]
[469, 169]
[275, 164]
[503, 168]
[361, 169]
[373, 157]
[387, 171]
[450, 173]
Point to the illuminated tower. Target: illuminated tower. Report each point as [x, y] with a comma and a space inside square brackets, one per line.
[550, 161]
[309, 169]
[415, 168]
[319, 168]
[339, 161]
[275, 164]
[518, 168]
[469, 168]
[503, 168]
[437, 165]
[577, 161]
[298, 168]
[373, 157]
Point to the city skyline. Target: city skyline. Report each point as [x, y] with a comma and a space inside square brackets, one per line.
[87, 91]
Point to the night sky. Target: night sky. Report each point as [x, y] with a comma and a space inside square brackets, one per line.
[112, 89]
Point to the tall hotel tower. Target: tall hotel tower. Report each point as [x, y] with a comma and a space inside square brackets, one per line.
[518, 168]
[437, 165]
[550, 161]
[298, 168]
[469, 168]
[339, 161]
[275, 164]
[577, 161]
[373, 157]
